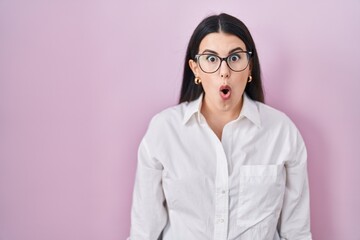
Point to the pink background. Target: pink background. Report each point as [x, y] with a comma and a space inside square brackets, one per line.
[80, 80]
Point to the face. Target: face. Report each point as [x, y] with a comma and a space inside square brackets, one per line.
[224, 88]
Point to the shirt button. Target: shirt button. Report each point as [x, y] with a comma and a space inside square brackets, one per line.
[221, 220]
[223, 191]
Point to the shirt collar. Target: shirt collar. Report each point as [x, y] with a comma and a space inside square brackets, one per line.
[193, 107]
[249, 110]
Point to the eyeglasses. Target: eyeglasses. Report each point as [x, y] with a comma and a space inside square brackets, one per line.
[237, 61]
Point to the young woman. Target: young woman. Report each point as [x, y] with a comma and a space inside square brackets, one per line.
[221, 165]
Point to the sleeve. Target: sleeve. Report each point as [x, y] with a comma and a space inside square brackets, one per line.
[294, 222]
[148, 213]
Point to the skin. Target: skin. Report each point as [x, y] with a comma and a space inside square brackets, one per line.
[217, 111]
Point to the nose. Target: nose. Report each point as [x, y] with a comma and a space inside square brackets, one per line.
[225, 75]
[224, 69]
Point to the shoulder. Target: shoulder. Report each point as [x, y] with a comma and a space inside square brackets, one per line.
[163, 126]
[167, 121]
[174, 114]
[272, 117]
[280, 124]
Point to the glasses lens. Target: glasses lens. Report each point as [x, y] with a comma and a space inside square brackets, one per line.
[209, 63]
[238, 61]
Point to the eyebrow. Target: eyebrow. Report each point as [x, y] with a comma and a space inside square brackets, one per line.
[231, 51]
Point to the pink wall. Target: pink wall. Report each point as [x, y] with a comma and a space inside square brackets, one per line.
[79, 81]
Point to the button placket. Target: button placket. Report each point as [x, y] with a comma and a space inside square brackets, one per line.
[222, 197]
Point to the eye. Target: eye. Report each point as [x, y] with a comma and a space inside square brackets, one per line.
[234, 57]
[211, 58]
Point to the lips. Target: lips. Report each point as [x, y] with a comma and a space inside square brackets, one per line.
[225, 92]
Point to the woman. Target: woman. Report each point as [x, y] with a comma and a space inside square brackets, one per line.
[221, 164]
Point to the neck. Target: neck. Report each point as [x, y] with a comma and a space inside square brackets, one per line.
[225, 114]
[218, 118]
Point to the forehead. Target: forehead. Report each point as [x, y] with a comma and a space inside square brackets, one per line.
[220, 42]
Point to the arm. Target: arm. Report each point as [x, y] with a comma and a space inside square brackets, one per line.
[294, 223]
[148, 214]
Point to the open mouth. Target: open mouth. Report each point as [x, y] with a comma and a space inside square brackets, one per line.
[225, 92]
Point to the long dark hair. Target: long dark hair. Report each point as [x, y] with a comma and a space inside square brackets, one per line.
[227, 24]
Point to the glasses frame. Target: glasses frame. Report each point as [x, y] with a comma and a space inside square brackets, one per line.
[249, 55]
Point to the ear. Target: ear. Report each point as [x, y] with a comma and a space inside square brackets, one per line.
[194, 67]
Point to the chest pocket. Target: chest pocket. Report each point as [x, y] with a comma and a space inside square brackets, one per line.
[261, 191]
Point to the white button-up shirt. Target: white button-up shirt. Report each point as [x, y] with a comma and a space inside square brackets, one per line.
[251, 185]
